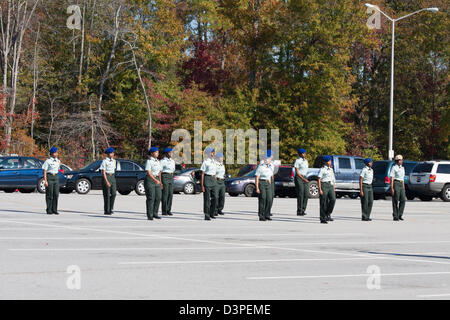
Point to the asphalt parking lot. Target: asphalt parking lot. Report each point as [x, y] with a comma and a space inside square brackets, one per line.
[124, 256]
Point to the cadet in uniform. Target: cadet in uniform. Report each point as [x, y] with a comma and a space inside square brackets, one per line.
[152, 184]
[108, 168]
[398, 188]
[366, 191]
[167, 168]
[264, 177]
[301, 183]
[51, 180]
[220, 190]
[327, 190]
[209, 184]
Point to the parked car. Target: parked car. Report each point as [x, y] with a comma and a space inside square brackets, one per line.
[130, 176]
[242, 185]
[382, 181]
[246, 169]
[431, 179]
[25, 174]
[188, 181]
[346, 170]
[284, 183]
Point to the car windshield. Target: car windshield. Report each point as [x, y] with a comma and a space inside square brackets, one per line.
[423, 168]
[379, 167]
[250, 174]
[89, 165]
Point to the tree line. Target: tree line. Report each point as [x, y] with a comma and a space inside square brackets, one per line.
[87, 74]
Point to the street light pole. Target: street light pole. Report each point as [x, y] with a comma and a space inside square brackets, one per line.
[391, 109]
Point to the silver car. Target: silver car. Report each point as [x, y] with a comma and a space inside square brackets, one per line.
[187, 181]
[431, 179]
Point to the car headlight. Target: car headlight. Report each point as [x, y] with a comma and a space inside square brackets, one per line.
[236, 182]
[70, 176]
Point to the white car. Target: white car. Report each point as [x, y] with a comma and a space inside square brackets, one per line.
[431, 179]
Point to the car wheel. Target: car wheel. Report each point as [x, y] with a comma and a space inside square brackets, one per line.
[313, 189]
[41, 186]
[9, 190]
[250, 190]
[339, 195]
[353, 195]
[189, 188]
[426, 198]
[445, 193]
[233, 194]
[410, 196]
[140, 188]
[83, 186]
[26, 190]
[124, 193]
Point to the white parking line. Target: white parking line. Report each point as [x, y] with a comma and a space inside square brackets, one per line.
[434, 295]
[238, 261]
[349, 275]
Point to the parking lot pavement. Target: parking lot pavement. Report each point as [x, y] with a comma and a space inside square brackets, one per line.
[82, 254]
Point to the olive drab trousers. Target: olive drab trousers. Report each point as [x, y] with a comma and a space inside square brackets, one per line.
[52, 193]
[167, 192]
[327, 201]
[398, 199]
[302, 189]
[109, 193]
[153, 194]
[209, 196]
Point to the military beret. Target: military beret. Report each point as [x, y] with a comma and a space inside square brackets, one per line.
[398, 157]
[301, 150]
[53, 150]
[367, 160]
[326, 158]
[153, 149]
[166, 150]
[219, 155]
[109, 150]
[269, 153]
[209, 150]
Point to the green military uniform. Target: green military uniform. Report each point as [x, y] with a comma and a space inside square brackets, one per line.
[52, 165]
[301, 187]
[167, 168]
[328, 198]
[399, 197]
[153, 190]
[265, 174]
[367, 198]
[109, 193]
[220, 187]
[210, 184]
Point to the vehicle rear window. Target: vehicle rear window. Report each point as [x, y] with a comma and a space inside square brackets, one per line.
[443, 168]
[409, 167]
[423, 168]
[283, 172]
[380, 167]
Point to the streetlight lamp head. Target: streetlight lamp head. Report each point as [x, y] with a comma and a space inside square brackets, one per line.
[433, 9]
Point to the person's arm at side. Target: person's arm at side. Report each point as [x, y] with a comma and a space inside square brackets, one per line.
[203, 178]
[319, 182]
[106, 179]
[361, 186]
[257, 184]
[45, 178]
[160, 180]
[392, 183]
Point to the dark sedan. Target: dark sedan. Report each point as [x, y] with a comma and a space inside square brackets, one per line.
[242, 185]
[130, 176]
[25, 174]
